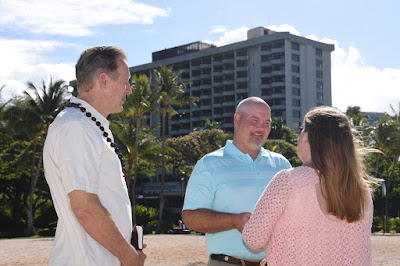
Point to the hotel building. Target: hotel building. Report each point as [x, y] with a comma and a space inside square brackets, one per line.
[291, 73]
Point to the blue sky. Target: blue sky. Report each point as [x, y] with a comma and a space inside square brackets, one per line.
[43, 38]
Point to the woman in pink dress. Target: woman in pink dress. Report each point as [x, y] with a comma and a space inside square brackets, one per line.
[321, 212]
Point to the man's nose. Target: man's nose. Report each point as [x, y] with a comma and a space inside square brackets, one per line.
[128, 88]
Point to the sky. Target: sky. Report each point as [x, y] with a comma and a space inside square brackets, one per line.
[42, 39]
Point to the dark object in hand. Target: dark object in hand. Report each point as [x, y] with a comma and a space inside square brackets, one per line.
[137, 237]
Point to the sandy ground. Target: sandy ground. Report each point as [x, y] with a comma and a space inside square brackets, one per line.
[179, 250]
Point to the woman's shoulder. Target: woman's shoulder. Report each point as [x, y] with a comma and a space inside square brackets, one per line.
[303, 175]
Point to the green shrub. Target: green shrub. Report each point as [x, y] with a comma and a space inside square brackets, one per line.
[148, 217]
[394, 224]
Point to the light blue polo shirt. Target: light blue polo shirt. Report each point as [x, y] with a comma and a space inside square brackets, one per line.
[227, 180]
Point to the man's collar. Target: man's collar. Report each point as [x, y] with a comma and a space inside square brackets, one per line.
[92, 110]
[232, 150]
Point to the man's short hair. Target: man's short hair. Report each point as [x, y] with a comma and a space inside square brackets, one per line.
[96, 60]
[251, 100]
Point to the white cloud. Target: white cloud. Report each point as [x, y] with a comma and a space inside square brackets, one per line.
[354, 82]
[219, 29]
[232, 36]
[24, 62]
[75, 17]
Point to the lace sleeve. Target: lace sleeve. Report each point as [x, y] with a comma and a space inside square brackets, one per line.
[267, 211]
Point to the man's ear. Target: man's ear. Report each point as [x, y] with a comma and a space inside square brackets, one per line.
[236, 119]
[103, 79]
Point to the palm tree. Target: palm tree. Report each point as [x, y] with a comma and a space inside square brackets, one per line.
[172, 92]
[2, 105]
[42, 109]
[141, 102]
[357, 117]
[385, 136]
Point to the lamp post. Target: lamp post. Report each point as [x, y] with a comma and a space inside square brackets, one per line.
[383, 205]
[182, 186]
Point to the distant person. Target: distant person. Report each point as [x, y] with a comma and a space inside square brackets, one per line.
[226, 184]
[83, 168]
[319, 213]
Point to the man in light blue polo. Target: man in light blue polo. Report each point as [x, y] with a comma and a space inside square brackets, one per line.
[226, 184]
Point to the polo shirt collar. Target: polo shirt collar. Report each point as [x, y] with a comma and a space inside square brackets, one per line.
[232, 150]
[92, 110]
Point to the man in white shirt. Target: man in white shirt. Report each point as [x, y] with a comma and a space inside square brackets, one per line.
[84, 168]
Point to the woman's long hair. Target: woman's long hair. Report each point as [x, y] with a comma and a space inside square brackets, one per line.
[338, 160]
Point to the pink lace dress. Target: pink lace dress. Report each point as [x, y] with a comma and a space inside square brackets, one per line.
[287, 221]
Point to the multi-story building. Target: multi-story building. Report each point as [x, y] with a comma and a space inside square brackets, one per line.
[291, 73]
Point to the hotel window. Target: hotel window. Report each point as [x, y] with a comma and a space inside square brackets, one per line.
[241, 52]
[219, 110]
[217, 58]
[266, 92]
[230, 55]
[295, 80]
[295, 46]
[320, 96]
[196, 83]
[206, 92]
[296, 113]
[242, 85]
[296, 102]
[205, 81]
[278, 56]
[229, 66]
[206, 71]
[205, 102]
[266, 69]
[318, 52]
[217, 78]
[196, 73]
[241, 74]
[266, 58]
[266, 80]
[320, 85]
[229, 87]
[278, 44]
[229, 98]
[278, 78]
[295, 69]
[295, 58]
[266, 47]
[229, 77]
[206, 60]
[196, 63]
[296, 91]
[218, 89]
[218, 99]
[241, 63]
[319, 74]
[318, 63]
[217, 68]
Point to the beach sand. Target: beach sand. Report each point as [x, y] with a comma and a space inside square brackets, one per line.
[176, 250]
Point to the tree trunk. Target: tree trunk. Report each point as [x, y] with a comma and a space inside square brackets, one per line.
[30, 229]
[162, 200]
[135, 153]
[377, 164]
